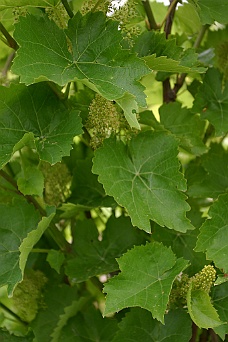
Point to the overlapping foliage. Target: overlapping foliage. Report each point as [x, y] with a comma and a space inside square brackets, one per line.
[114, 171]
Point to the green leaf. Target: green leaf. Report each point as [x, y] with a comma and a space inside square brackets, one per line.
[213, 237]
[161, 54]
[21, 3]
[61, 303]
[220, 302]
[5, 336]
[39, 116]
[207, 178]
[182, 245]
[32, 183]
[146, 278]
[55, 259]
[210, 11]
[212, 101]
[144, 177]
[138, 325]
[96, 257]
[89, 325]
[20, 230]
[86, 190]
[188, 128]
[201, 310]
[96, 59]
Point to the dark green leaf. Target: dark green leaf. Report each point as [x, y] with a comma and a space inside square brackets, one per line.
[37, 115]
[20, 230]
[207, 176]
[188, 128]
[210, 10]
[55, 259]
[89, 325]
[138, 325]
[213, 237]
[96, 257]
[146, 278]
[7, 337]
[144, 177]
[212, 101]
[220, 302]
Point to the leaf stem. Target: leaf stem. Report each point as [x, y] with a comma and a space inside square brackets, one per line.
[5, 308]
[150, 16]
[8, 64]
[67, 8]
[11, 42]
[200, 36]
[40, 250]
[169, 17]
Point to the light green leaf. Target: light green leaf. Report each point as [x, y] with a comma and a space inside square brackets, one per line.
[161, 54]
[188, 128]
[201, 310]
[146, 278]
[144, 178]
[55, 259]
[138, 325]
[37, 115]
[130, 107]
[213, 237]
[32, 183]
[20, 230]
[96, 257]
[210, 10]
[89, 325]
[220, 302]
[212, 101]
[96, 58]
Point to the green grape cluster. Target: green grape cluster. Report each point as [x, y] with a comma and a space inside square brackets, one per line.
[221, 52]
[27, 298]
[103, 120]
[202, 280]
[124, 15]
[57, 181]
[58, 14]
[92, 5]
[19, 12]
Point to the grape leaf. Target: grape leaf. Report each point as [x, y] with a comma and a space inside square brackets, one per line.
[207, 178]
[220, 302]
[55, 259]
[5, 336]
[97, 58]
[147, 274]
[182, 245]
[85, 188]
[32, 182]
[212, 101]
[96, 257]
[61, 303]
[201, 310]
[188, 128]
[213, 237]
[89, 325]
[21, 3]
[36, 116]
[144, 177]
[138, 325]
[161, 54]
[20, 230]
[210, 11]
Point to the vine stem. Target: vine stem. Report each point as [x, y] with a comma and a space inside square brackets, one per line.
[170, 9]
[11, 42]
[152, 23]
[67, 8]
